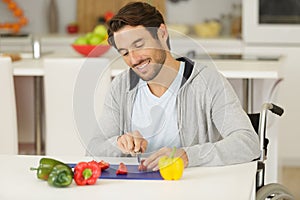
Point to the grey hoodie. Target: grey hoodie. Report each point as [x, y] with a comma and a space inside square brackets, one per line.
[214, 129]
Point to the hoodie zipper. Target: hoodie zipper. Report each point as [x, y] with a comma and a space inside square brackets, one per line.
[179, 118]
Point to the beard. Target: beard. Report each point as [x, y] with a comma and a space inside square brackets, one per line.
[154, 66]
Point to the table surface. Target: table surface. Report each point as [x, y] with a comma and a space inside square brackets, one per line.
[227, 182]
[239, 69]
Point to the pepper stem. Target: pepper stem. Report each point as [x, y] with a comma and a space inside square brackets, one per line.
[87, 173]
[33, 168]
[64, 178]
[173, 152]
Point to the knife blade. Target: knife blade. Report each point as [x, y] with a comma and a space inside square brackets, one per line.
[138, 156]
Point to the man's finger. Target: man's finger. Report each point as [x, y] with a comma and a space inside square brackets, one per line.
[129, 143]
[150, 161]
[121, 144]
[138, 140]
[154, 164]
[144, 145]
[137, 144]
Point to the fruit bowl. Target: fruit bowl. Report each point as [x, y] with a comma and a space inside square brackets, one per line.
[91, 50]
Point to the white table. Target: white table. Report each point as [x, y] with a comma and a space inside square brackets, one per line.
[213, 183]
[238, 69]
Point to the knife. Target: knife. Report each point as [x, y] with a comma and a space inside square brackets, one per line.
[138, 156]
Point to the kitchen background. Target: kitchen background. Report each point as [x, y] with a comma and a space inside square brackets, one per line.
[42, 15]
[38, 12]
[195, 12]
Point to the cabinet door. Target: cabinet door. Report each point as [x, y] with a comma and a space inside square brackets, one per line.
[89, 11]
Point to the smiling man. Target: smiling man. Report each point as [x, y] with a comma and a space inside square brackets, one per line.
[162, 102]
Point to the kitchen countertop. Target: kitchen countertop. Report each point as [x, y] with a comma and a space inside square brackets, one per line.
[261, 69]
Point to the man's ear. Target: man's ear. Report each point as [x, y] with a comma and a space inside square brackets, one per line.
[163, 34]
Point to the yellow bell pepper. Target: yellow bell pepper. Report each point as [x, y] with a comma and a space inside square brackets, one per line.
[171, 168]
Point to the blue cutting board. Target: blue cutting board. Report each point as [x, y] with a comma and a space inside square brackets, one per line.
[133, 173]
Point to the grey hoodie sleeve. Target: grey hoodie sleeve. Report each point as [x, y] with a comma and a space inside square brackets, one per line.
[231, 137]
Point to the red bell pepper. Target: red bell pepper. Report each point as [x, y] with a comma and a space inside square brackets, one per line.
[103, 165]
[122, 169]
[86, 173]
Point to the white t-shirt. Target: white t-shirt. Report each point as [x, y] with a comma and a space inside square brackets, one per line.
[156, 117]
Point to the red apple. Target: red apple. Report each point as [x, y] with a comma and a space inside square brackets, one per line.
[72, 28]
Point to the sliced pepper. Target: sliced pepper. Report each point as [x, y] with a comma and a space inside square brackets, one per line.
[86, 173]
[103, 165]
[122, 169]
[60, 176]
[45, 167]
[142, 167]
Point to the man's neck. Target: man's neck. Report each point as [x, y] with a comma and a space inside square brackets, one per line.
[160, 84]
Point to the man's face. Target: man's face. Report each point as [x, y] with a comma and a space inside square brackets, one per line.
[144, 54]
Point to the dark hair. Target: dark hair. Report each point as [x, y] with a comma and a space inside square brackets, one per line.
[135, 14]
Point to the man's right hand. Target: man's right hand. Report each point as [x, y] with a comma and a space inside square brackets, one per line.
[132, 142]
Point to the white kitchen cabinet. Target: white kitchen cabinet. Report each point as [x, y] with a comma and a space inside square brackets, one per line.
[75, 89]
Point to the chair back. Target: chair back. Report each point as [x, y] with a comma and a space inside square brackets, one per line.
[8, 116]
[66, 81]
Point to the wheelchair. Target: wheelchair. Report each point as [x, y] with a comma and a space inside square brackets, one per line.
[272, 191]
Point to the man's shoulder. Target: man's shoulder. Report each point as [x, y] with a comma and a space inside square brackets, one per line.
[206, 76]
[206, 69]
[122, 76]
[121, 81]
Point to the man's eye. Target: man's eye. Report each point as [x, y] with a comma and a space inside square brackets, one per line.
[123, 53]
[139, 44]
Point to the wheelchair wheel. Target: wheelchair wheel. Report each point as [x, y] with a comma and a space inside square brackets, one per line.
[274, 191]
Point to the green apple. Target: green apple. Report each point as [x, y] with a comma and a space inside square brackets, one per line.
[81, 40]
[95, 39]
[89, 35]
[101, 30]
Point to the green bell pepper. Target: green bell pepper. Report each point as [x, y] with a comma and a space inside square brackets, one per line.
[60, 176]
[45, 167]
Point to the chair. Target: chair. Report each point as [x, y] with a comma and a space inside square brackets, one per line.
[8, 115]
[67, 82]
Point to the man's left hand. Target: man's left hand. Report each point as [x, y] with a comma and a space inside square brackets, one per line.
[152, 161]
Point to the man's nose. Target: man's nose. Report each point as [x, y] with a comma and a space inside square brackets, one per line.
[134, 57]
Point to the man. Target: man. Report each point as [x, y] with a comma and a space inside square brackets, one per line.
[162, 102]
